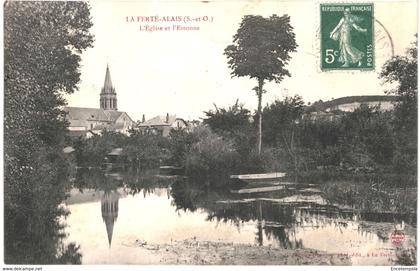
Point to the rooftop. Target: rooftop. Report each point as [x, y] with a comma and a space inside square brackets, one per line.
[83, 114]
[160, 121]
[322, 106]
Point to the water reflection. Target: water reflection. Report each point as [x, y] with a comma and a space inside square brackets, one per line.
[158, 210]
[109, 209]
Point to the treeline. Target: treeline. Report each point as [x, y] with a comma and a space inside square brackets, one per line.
[356, 144]
[359, 144]
[143, 151]
[42, 46]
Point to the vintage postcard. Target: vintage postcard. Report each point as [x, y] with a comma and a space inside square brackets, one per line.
[223, 133]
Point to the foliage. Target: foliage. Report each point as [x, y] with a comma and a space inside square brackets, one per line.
[229, 120]
[371, 129]
[359, 140]
[211, 158]
[319, 134]
[362, 140]
[279, 119]
[141, 150]
[235, 124]
[275, 160]
[402, 72]
[41, 56]
[146, 150]
[371, 196]
[261, 49]
[180, 142]
[406, 257]
[91, 152]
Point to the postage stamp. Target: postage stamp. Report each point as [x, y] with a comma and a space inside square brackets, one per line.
[347, 37]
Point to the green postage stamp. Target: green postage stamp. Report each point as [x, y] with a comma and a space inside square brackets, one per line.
[347, 41]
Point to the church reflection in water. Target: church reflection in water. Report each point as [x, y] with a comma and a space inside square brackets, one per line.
[109, 210]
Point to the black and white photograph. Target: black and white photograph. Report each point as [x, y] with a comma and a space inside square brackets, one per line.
[214, 134]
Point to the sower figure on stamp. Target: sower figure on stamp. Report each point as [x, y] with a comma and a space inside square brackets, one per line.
[342, 32]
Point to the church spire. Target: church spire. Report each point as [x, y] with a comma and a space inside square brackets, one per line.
[108, 97]
[108, 83]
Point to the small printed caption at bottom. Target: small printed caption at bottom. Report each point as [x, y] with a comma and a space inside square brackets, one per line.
[22, 268]
[169, 23]
[353, 254]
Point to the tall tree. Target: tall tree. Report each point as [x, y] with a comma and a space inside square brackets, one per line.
[261, 49]
[402, 72]
[42, 46]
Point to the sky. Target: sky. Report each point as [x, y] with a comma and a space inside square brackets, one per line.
[185, 72]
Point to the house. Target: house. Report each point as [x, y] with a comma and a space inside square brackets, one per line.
[162, 125]
[86, 122]
[336, 108]
[321, 116]
[351, 103]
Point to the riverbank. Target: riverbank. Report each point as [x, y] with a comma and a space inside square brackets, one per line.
[199, 252]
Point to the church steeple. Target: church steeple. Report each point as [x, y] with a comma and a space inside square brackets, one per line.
[108, 99]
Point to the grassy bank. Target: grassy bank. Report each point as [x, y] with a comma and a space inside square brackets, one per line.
[371, 197]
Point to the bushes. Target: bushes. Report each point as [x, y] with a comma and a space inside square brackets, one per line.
[363, 138]
[91, 152]
[180, 142]
[371, 196]
[319, 133]
[279, 119]
[204, 154]
[142, 151]
[234, 126]
[211, 158]
[404, 159]
[229, 120]
[146, 151]
[275, 160]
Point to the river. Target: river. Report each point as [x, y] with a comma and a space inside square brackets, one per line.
[120, 221]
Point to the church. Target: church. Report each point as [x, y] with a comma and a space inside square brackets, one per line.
[86, 122]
